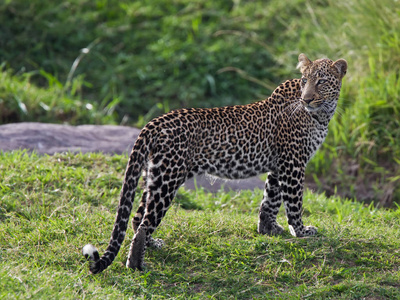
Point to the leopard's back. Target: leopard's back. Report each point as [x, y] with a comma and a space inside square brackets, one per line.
[235, 142]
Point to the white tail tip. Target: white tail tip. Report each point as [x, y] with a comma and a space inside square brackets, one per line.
[90, 252]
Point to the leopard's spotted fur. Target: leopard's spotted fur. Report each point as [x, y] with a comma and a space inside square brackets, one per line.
[278, 135]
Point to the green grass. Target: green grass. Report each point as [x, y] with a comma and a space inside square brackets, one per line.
[53, 205]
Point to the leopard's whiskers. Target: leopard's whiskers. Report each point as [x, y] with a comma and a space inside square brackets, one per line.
[290, 107]
[339, 111]
[293, 107]
[299, 106]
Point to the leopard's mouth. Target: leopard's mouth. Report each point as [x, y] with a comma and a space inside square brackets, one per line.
[312, 106]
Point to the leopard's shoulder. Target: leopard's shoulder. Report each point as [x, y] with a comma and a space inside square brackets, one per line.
[288, 90]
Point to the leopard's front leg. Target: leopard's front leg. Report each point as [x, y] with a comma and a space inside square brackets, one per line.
[291, 180]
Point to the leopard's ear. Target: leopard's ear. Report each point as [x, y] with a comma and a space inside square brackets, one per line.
[340, 67]
[304, 62]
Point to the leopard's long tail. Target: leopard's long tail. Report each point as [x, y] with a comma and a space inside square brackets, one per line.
[137, 160]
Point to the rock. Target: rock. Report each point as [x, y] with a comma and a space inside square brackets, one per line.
[52, 138]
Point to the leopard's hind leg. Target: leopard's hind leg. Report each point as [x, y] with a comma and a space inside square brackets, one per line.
[161, 187]
[137, 219]
[269, 207]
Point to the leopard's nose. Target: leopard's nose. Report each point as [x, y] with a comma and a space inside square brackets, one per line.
[308, 100]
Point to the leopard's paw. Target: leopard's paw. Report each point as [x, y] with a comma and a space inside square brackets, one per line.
[303, 231]
[270, 228]
[155, 243]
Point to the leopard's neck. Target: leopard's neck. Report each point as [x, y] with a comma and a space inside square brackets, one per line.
[323, 117]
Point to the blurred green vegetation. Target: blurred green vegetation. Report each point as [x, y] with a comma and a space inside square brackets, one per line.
[143, 58]
[151, 55]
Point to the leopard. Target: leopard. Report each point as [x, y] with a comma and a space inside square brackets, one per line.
[276, 136]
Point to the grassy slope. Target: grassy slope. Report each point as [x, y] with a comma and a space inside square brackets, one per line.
[51, 206]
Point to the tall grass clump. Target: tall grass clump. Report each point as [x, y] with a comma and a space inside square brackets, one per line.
[362, 150]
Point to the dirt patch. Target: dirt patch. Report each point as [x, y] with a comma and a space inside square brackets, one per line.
[53, 138]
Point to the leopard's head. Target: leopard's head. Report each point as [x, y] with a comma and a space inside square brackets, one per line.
[320, 83]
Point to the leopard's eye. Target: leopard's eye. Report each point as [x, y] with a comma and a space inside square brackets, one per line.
[304, 80]
[321, 81]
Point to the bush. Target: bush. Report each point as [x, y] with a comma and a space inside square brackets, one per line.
[149, 54]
